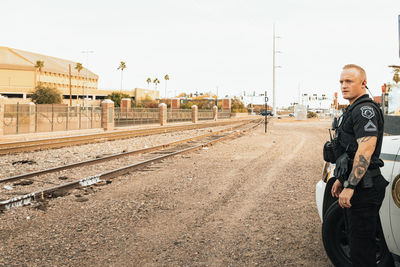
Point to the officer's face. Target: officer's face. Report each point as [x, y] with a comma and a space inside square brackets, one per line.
[351, 84]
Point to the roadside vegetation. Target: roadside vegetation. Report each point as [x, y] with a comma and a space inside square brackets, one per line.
[46, 95]
[311, 114]
[116, 97]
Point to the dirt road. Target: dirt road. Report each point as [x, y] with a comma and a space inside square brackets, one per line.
[243, 202]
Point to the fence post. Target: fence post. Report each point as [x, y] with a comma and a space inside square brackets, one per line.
[1, 117]
[215, 113]
[194, 114]
[17, 119]
[125, 106]
[91, 118]
[67, 118]
[226, 104]
[107, 114]
[175, 103]
[32, 117]
[52, 117]
[80, 116]
[36, 118]
[163, 113]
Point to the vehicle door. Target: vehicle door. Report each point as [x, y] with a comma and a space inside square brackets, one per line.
[390, 212]
[393, 197]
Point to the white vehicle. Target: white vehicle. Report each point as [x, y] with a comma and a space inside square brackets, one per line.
[331, 214]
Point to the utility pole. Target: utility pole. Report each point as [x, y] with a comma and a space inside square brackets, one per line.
[87, 52]
[265, 110]
[273, 69]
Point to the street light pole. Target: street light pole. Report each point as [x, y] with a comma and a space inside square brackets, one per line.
[273, 68]
[86, 89]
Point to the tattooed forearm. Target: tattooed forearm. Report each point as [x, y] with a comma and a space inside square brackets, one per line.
[364, 139]
[359, 169]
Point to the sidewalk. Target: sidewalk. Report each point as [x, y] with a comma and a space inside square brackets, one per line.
[45, 135]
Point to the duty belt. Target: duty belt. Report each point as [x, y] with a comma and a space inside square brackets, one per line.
[368, 179]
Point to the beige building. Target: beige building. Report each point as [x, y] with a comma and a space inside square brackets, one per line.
[141, 94]
[19, 77]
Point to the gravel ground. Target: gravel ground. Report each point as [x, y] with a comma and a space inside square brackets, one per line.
[62, 156]
[28, 185]
[243, 202]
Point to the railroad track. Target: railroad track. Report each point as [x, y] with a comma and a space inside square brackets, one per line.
[49, 143]
[114, 167]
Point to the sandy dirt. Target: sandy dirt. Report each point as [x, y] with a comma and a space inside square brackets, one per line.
[243, 202]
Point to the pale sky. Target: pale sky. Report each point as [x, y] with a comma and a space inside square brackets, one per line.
[202, 44]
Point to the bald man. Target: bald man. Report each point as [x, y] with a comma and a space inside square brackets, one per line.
[361, 189]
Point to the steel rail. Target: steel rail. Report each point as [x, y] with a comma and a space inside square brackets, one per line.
[90, 180]
[57, 142]
[114, 156]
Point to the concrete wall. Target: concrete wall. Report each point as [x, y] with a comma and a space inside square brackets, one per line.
[16, 78]
[140, 94]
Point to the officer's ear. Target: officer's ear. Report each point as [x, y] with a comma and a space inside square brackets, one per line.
[364, 83]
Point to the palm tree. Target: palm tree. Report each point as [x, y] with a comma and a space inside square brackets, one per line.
[39, 66]
[121, 67]
[166, 77]
[78, 67]
[156, 81]
[148, 82]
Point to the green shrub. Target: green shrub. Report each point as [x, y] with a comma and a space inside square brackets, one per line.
[116, 97]
[311, 114]
[46, 95]
[237, 106]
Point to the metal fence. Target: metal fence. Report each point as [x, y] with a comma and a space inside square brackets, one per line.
[224, 114]
[205, 114]
[25, 118]
[16, 118]
[175, 115]
[57, 118]
[135, 116]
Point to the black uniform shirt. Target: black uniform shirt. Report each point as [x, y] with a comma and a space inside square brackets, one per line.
[365, 120]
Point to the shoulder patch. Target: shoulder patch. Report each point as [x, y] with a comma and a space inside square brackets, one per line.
[370, 127]
[367, 112]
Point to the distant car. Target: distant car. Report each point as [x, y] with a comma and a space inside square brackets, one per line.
[291, 114]
[268, 112]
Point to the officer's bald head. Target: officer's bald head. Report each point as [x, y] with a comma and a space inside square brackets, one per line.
[353, 82]
[361, 72]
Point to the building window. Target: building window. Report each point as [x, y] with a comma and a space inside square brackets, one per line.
[13, 95]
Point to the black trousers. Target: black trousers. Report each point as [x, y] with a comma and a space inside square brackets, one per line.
[363, 219]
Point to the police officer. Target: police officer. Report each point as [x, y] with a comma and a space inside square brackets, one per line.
[362, 188]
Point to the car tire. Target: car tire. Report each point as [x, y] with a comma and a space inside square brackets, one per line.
[336, 243]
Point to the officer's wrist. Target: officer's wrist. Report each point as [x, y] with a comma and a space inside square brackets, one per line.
[347, 185]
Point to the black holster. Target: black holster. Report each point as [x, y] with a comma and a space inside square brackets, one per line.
[332, 151]
[368, 179]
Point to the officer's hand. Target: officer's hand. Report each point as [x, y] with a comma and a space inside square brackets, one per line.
[345, 196]
[336, 188]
